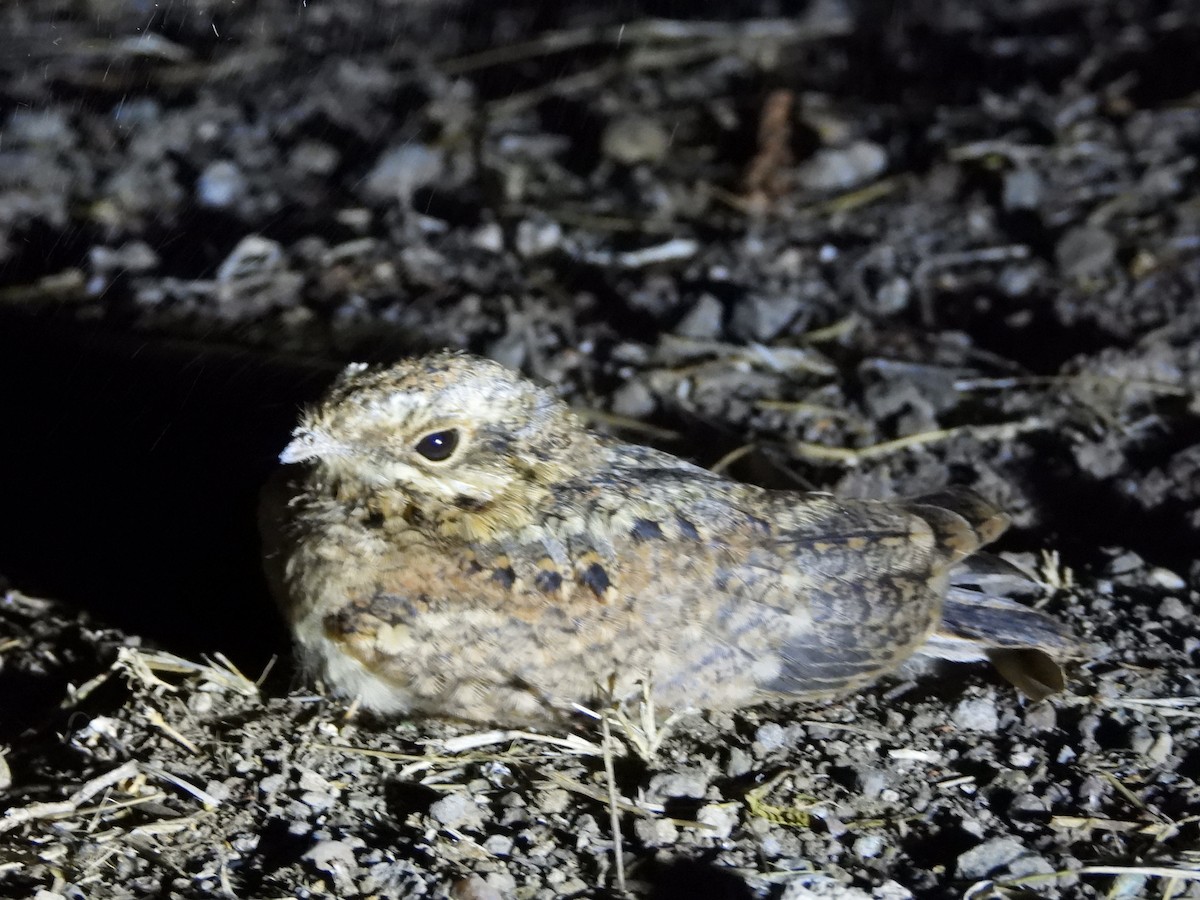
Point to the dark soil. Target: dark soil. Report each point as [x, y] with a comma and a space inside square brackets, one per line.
[885, 247]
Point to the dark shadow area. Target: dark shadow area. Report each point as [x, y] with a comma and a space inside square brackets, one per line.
[1081, 516]
[687, 879]
[949, 841]
[132, 468]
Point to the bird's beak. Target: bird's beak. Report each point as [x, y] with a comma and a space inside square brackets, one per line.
[308, 445]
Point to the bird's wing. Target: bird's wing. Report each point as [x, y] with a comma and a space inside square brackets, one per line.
[870, 578]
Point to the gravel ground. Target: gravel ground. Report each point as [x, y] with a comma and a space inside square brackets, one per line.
[869, 248]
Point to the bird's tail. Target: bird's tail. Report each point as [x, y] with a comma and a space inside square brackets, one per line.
[980, 620]
[962, 520]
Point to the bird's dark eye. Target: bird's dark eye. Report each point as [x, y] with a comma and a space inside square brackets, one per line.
[438, 446]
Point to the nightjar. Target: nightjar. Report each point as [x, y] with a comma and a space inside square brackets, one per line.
[453, 540]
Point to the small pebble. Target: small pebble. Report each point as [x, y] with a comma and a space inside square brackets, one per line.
[843, 168]
[890, 890]
[768, 738]
[510, 349]
[1029, 804]
[868, 846]
[499, 845]
[253, 256]
[45, 129]
[1021, 758]
[314, 158]
[220, 185]
[988, 857]
[334, 857]
[489, 237]
[684, 783]
[132, 258]
[635, 139]
[656, 832]
[1140, 739]
[1086, 252]
[893, 296]
[456, 811]
[634, 400]
[1022, 189]
[474, 888]
[537, 238]
[872, 782]
[977, 715]
[1018, 279]
[721, 819]
[1029, 864]
[759, 318]
[1041, 717]
[704, 320]
[313, 781]
[1166, 579]
[740, 762]
[318, 801]
[553, 800]
[400, 171]
[1125, 563]
[1127, 887]
[1160, 751]
[822, 889]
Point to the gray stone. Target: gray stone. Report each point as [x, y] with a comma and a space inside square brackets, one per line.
[537, 238]
[769, 737]
[635, 139]
[1086, 252]
[988, 857]
[704, 320]
[656, 832]
[721, 819]
[498, 845]
[335, 858]
[456, 811]
[1022, 189]
[822, 888]
[400, 171]
[840, 169]
[759, 318]
[220, 185]
[47, 129]
[634, 400]
[685, 783]
[868, 846]
[474, 888]
[977, 715]
[314, 158]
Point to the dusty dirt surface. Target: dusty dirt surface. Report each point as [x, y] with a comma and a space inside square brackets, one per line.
[881, 247]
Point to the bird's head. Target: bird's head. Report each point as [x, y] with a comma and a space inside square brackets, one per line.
[446, 432]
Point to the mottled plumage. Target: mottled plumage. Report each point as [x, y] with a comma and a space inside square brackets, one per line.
[538, 559]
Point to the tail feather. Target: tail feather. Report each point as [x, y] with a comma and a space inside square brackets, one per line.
[997, 621]
[962, 520]
[1020, 642]
[986, 520]
[1032, 672]
[989, 573]
[979, 620]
